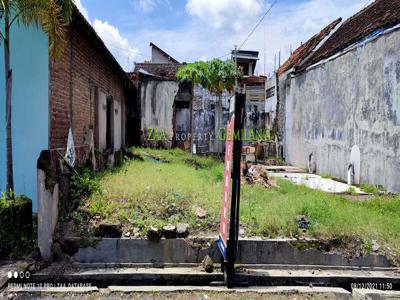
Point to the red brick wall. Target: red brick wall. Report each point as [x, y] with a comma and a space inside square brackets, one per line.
[73, 79]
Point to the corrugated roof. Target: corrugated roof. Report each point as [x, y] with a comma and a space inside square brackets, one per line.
[301, 53]
[378, 15]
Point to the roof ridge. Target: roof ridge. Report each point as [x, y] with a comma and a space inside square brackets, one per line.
[377, 15]
[307, 47]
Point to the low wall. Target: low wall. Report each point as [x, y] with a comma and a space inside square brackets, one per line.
[180, 251]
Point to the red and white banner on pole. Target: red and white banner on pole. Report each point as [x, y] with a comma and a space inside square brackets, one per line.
[226, 191]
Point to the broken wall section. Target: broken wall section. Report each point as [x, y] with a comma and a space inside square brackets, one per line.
[204, 109]
[157, 99]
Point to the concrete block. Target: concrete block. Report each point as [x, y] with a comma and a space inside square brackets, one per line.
[370, 294]
[47, 215]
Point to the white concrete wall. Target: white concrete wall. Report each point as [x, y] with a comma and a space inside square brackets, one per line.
[183, 120]
[351, 100]
[157, 100]
[47, 215]
[271, 102]
[102, 121]
[117, 125]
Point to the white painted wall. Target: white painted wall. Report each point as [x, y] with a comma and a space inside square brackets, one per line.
[157, 100]
[117, 125]
[102, 121]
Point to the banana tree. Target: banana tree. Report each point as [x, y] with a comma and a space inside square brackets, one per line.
[52, 16]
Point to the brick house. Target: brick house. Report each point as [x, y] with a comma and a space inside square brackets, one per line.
[88, 91]
[85, 90]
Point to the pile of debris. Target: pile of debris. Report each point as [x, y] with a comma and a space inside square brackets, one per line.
[256, 174]
[261, 151]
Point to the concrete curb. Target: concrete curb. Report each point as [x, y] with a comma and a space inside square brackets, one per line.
[338, 293]
[330, 293]
[52, 290]
[196, 277]
[370, 294]
[250, 251]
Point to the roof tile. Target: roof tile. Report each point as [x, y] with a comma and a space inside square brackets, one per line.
[378, 15]
[306, 49]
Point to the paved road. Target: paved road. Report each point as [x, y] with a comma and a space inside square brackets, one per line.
[197, 292]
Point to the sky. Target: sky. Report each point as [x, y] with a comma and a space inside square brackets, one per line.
[191, 30]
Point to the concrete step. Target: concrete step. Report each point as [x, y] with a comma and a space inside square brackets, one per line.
[139, 276]
[168, 292]
[343, 278]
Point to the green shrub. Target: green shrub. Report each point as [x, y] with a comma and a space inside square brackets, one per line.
[83, 185]
[16, 231]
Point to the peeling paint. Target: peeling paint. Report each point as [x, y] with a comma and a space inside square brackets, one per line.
[351, 100]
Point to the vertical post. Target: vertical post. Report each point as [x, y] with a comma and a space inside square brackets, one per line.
[191, 121]
[235, 200]
[236, 70]
[227, 242]
[8, 108]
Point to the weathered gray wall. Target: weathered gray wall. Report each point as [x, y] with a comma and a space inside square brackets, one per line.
[157, 100]
[255, 108]
[351, 100]
[204, 117]
[270, 102]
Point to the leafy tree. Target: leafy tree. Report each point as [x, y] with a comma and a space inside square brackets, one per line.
[217, 76]
[52, 16]
[196, 73]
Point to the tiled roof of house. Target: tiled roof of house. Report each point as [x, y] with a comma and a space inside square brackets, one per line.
[306, 49]
[167, 71]
[380, 14]
[94, 38]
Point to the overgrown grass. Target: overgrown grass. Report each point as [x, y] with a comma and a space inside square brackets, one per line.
[153, 193]
[371, 189]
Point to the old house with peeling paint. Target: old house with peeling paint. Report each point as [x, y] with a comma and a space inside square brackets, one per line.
[339, 98]
[89, 92]
[85, 90]
[166, 105]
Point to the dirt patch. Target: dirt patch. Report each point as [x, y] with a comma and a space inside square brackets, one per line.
[348, 246]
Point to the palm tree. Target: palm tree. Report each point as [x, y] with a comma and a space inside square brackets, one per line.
[52, 16]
